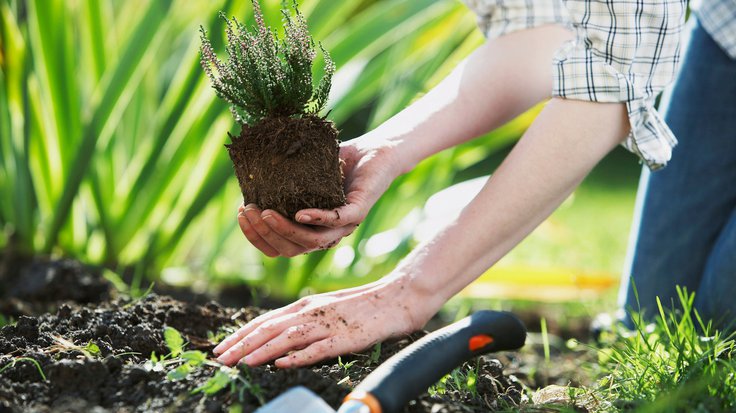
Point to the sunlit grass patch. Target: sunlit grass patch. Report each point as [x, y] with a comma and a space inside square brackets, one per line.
[679, 363]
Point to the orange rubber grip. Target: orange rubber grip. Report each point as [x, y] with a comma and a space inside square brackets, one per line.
[478, 342]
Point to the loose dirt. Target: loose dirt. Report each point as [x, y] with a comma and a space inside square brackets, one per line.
[120, 378]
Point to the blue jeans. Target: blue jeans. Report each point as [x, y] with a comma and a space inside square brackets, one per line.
[685, 223]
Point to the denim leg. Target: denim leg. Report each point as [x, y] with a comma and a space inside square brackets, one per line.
[684, 216]
[716, 296]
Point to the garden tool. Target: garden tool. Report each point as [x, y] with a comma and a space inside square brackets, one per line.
[411, 371]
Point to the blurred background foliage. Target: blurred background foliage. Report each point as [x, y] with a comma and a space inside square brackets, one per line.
[111, 145]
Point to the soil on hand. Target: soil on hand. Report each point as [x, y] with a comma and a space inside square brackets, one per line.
[288, 164]
[120, 378]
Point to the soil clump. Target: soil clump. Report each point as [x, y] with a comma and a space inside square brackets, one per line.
[287, 164]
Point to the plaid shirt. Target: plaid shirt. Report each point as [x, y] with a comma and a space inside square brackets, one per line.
[623, 51]
[718, 18]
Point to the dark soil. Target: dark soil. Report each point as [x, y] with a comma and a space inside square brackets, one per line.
[39, 285]
[289, 164]
[120, 378]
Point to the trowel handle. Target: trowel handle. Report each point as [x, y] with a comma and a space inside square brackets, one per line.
[411, 371]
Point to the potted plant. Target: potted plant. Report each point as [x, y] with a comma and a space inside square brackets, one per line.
[286, 156]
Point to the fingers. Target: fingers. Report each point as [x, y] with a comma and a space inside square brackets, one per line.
[258, 231]
[294, 337]
[321, 350]
[333, 218]
[309, 238]
[234, 338]
[257, 338]
[253, 236]
[275, 235]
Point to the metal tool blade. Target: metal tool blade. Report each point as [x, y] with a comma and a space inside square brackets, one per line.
[297, 399]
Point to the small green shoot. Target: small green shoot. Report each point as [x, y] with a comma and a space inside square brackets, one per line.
[245, 384]
[6, 320]
[187, 361]
[221, 333]
[174, 341]
[136, 294]
[346, 369]
[128, 353]
[462, 379]
[545, 339]
[237, 380]
[345, 366]
[180, 372]
[92, 349]
[27, 359]
[375, 354]
[219, 381]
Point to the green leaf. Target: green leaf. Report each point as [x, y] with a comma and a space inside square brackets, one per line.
[219, 381]
[92, 348]
[194, 357]
[174, 341]
[180, 372]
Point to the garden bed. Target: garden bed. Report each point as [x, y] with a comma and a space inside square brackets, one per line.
[72, 344]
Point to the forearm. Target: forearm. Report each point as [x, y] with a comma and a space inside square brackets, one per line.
[563, 144]
[559, 149]
[499, 81]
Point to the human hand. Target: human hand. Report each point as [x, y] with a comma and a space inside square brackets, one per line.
[327, 325]
[369, 170]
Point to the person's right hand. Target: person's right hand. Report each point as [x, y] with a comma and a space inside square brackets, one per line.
[369, 169]
[327, 325]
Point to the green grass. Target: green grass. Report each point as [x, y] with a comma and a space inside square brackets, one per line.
[459, 380]
[681, 363]
[677, 363]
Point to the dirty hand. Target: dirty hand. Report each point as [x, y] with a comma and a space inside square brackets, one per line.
[327, 325]
[369, 169]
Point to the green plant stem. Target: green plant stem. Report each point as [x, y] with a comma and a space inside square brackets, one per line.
[28, 359]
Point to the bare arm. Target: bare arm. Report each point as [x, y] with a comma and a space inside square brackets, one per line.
[563, 144]
[500, 80]
[497, 82]
[565, 141]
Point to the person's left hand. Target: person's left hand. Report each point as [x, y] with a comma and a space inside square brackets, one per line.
[275, 235]
[327, 325]
[369, 165]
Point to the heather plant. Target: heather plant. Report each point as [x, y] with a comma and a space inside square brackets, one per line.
[265, 76]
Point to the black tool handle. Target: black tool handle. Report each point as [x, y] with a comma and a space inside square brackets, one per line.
[420, 365]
